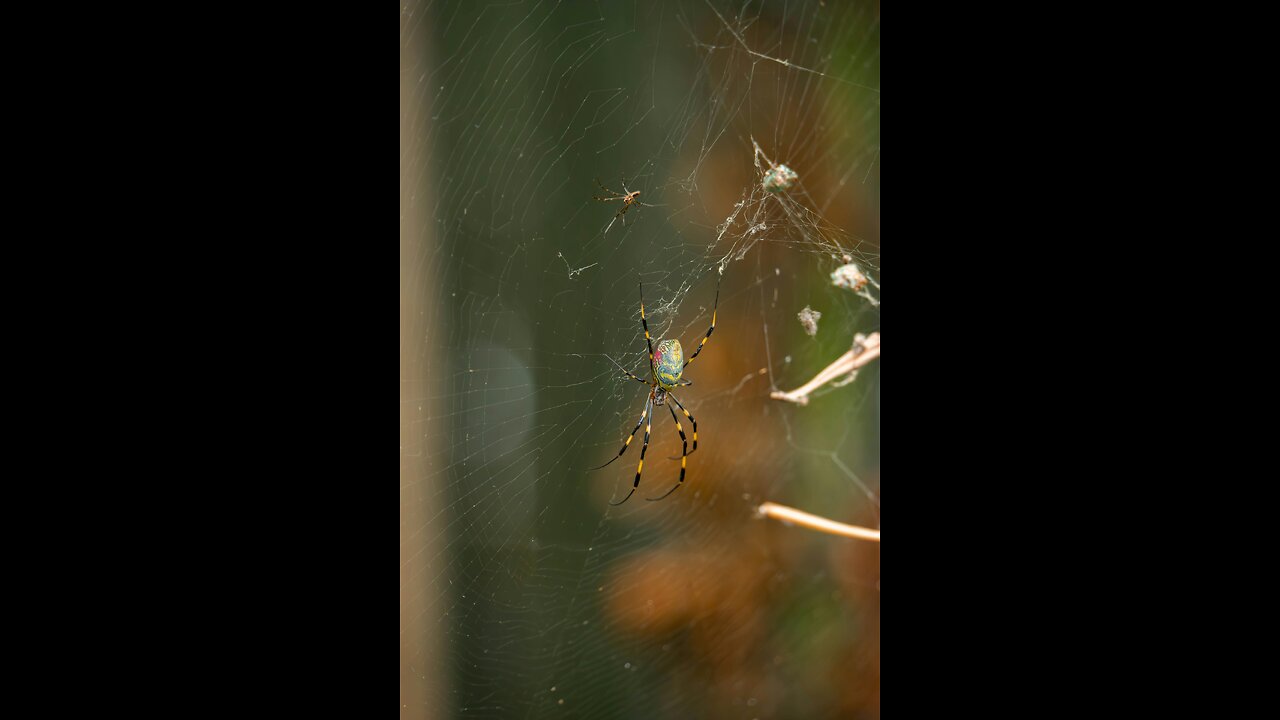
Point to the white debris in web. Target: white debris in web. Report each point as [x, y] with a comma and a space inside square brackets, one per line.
[809, 319]
[850, 277]
[779, 178]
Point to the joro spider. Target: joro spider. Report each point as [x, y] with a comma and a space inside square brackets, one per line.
[628, 198]
[666, 366]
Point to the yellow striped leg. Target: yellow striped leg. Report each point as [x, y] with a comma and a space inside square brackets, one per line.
[713, 326]
[643, 448]
[686, 414]
[684, 454]
[647, 339]
[644, 414]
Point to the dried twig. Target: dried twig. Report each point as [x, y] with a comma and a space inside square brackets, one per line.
[865, 349]
[815, 522]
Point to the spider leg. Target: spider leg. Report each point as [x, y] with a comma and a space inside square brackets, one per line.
[686, 414]
[643, 449]
[684, 454]
[625, 206]
[626, 371]
[623, 212]
[644, 414]
[708, 335]
[647, 339]
[602, 187]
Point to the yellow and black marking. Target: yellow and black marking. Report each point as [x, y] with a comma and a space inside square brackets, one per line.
[643, 449]
[648, 341]
[668, 364]
[684, 456]
[691, 420]
[665, 369]
[643, 414]
[706, 337]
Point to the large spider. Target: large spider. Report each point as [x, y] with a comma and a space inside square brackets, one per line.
[666, 365]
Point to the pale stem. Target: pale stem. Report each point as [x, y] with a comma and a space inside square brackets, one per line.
[862, 353]
[815, 522]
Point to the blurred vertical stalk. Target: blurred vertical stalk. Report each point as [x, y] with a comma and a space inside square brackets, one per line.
[423, 672]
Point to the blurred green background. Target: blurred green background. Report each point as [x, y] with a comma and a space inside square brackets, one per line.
[523, 593]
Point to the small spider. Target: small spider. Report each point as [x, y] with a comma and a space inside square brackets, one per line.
[778, 177]
[628, 198]
[666, 365]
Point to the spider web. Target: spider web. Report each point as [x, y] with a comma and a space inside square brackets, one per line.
[523, 593]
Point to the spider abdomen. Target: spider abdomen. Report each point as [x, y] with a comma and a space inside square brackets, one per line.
[668, 363]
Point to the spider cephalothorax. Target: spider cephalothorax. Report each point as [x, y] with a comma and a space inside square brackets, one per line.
[666, 366]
